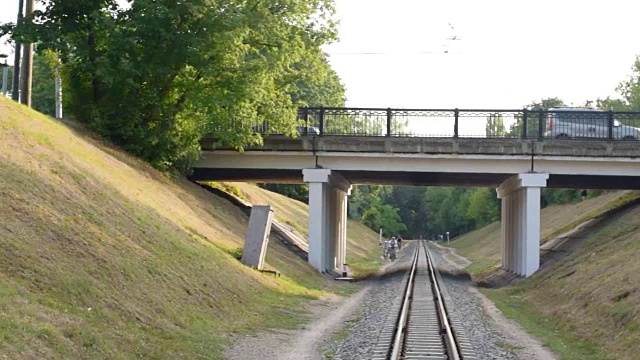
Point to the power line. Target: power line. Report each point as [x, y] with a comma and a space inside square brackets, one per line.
[442, 52]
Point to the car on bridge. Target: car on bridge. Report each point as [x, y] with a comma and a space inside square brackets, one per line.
[311, 130]
[567, 122]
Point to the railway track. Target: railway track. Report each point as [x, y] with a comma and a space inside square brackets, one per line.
[423, 328]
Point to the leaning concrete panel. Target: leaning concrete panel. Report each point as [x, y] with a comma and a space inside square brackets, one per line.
[257, 239]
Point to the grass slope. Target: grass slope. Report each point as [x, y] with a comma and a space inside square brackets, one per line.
[482, 246]
[587, 304]
[363, 255]
[102, 257]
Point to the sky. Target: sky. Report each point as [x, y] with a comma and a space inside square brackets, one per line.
[509, 53]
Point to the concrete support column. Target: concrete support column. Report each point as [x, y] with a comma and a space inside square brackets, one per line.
[518, 232]
[327, 218]
[520, 227]
[343, 228]
[318, 209]
[505, 229]
[531, 231]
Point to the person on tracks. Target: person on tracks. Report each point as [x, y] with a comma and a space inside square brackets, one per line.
[399, 240]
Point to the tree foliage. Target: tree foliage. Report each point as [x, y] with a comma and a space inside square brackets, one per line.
[495, 126]
[158, 75]
[367, 205]
[43, 90]
[628, 89]
[414, 211]
[533, 120]
[298, 192]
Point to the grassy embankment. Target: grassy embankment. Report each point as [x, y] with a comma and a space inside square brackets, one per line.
[482, 246]
[363, 255]
[104, 257]
[587, 304]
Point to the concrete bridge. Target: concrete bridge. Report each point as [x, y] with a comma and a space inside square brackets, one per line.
[517, 166]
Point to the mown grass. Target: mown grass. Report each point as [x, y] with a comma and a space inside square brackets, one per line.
[363, 254]
[482, 246]
[623, 198]
[103, 257]
[585, 305]
[554, 334]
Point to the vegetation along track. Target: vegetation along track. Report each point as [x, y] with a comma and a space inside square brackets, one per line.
[423, 328]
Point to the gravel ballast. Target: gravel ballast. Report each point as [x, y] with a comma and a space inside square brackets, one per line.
[360, 332]
[363, 328]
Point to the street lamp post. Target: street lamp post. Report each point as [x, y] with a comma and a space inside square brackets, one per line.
[58, 90]
[447, 237]
[5, 73]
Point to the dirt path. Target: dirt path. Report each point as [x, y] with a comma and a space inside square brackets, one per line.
[452, 256]
[524, 346]
[327, 316]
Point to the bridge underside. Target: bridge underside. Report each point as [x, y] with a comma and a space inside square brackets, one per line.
[294, 176]
[517, 169]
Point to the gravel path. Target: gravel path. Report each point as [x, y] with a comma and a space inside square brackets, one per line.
[326, 316]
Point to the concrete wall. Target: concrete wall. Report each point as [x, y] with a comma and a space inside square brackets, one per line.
[446, 169]
[414, 145]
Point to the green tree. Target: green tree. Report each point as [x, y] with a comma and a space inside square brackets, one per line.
[43, 90]
[533, 120]
[370, 205]
[316, 84]
[483, 207]
[155, 77]
[612, 104]
[630, 88]
[385, 217]
[495, 126]
[295, 191]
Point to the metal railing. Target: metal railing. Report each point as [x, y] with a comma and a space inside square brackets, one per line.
[470, 123]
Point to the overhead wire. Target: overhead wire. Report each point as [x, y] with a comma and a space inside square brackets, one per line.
[395, 53]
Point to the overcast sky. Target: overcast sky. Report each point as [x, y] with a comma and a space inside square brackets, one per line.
[509, 52]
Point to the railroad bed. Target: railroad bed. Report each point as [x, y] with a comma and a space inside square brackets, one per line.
[420, 325]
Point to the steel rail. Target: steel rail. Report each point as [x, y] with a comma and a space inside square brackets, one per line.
[396, 350]
[449, 337]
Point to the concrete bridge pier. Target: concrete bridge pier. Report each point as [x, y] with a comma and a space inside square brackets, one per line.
[328, 192]
[520, 223]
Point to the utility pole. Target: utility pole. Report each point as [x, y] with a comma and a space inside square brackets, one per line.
[15, 90]
[27, 63]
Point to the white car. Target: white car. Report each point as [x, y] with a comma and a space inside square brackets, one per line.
[563, 123]
[311, 131]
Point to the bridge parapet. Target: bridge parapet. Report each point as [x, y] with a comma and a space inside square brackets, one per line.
[462, 146]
